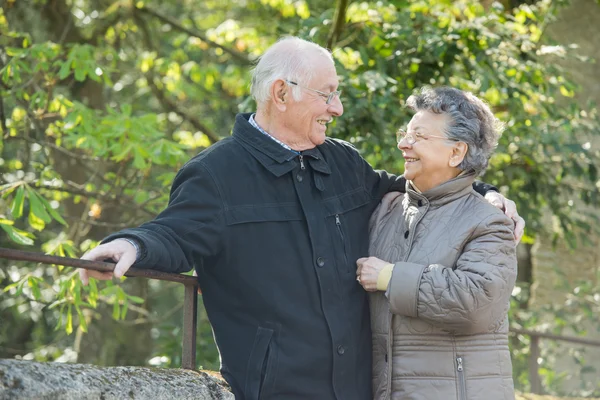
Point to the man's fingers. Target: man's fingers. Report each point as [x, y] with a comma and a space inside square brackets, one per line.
[510, 209]
[100, 253]
[119, 250]
[519, 229]
[125, 262]
[83, 275]
[495, 199]
[86, 274]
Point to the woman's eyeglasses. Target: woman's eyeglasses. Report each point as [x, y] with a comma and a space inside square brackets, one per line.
[413, 137]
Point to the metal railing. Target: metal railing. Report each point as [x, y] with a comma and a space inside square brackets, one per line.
[190, 283]
[190, 308]
[534, 352]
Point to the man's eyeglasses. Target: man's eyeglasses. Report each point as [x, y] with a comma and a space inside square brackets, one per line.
[327, 96]
[413, 137]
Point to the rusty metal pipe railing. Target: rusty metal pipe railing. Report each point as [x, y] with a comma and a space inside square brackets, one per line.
[559, 338]
[190, 307]
[535, 379]
[190, 283]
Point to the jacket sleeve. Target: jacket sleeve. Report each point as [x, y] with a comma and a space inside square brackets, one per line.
[472, 297]
[482, 188]
[191, 226]
[380, 182]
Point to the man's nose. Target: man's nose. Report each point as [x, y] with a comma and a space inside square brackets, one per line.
[336, 107]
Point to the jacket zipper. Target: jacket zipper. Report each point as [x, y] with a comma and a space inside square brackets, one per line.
[301, 162]
[462, 389]
[388, 385]
[338, 223]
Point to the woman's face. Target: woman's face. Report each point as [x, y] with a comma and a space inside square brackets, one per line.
[430, 161]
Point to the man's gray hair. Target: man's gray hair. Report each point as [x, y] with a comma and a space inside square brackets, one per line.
[472, 122]
[286, 59]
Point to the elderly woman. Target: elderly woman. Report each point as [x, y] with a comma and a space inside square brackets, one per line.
[443, 262]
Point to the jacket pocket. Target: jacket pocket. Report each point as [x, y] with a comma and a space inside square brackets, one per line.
[461, 382]
[340, 210]
[263, 213]
[260, 374]
[346, 202]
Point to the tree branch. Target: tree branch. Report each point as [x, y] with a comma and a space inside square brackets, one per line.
[338, 25]
[3, 117]
[234, 53]
[172, 106]
[109, 199]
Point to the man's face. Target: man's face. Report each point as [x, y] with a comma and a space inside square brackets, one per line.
[307, 118]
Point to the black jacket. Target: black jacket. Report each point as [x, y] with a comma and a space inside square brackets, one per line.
[274, 238]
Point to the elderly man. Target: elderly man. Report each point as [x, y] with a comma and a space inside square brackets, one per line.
[273, 219]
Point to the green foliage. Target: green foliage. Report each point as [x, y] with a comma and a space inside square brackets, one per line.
[103, 104]
[576, 318]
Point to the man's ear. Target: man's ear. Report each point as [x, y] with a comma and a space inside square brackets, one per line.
[280, 92]
[459, 151]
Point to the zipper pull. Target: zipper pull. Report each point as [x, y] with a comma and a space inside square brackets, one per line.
[301, 162]
[459, 364]
[337, 220]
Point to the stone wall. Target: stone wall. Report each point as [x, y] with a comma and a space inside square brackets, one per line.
[27, 380]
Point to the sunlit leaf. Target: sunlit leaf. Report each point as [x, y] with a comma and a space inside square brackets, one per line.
[17, 204]
[69, 324]
[36, 206]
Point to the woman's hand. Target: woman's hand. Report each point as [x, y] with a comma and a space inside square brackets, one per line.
[368, 271]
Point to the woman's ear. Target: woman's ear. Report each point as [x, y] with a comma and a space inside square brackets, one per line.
[279, 94]
[459, 151]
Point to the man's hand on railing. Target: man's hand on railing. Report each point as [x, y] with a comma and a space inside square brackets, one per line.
[119, 250]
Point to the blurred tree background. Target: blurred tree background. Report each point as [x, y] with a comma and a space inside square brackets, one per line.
[103, 101]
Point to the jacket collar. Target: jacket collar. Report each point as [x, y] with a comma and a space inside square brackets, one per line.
[444, 193]
[271, 154]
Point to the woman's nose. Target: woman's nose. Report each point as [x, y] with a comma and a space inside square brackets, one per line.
[403, 144]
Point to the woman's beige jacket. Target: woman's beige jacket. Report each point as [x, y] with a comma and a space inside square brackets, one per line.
[440, 332]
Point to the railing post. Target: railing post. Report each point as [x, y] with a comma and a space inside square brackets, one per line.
[190, 321]
[534, 355]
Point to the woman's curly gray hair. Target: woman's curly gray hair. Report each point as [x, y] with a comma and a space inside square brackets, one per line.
[472, 122]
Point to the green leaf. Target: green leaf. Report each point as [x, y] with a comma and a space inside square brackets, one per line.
[566, 92]
[37, 207]
[124, 310]
[11, 286]
[56, 304]
[7, 189]
[6, 73]
[52, 211]
[135, 299]
[93, 296]
[18, 236]
[35, 289]
[69, 325]
[14, 51]
[82, 322]
[116, 311]
[17, 204]
[60, 318]
[65, 70]
[35, 222]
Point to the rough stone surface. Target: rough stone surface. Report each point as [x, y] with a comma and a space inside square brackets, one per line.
[44, 381]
